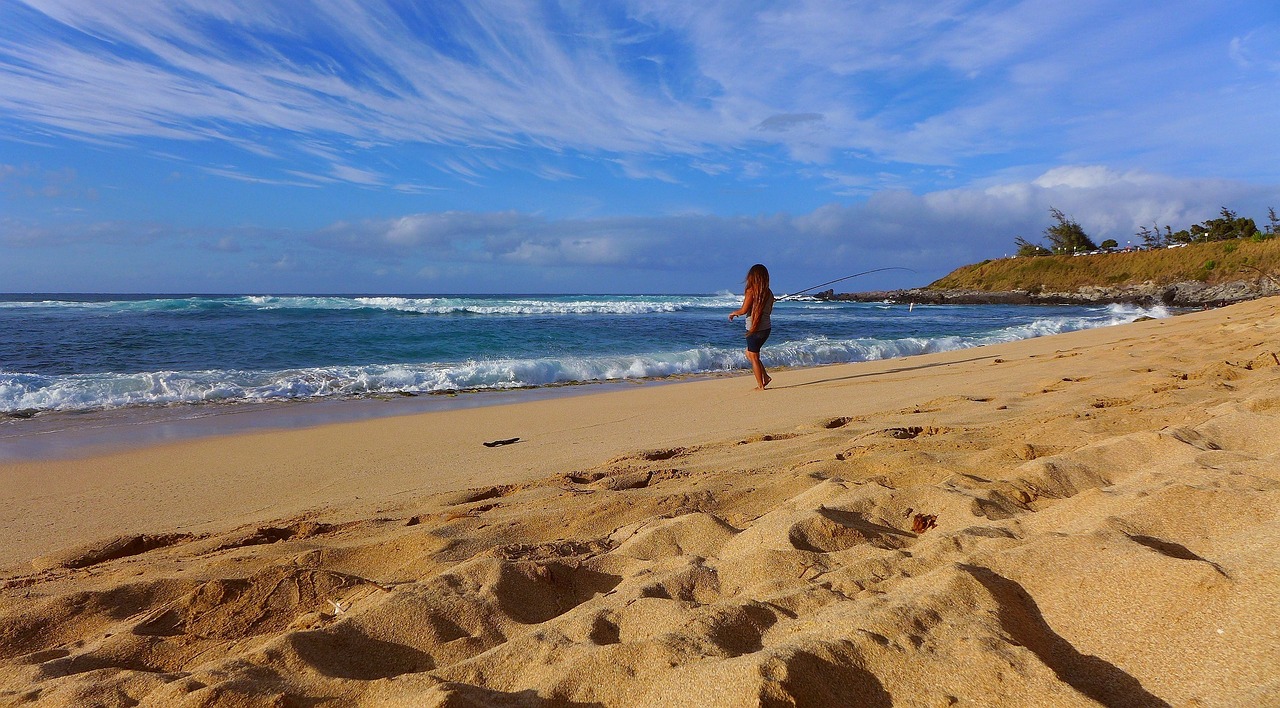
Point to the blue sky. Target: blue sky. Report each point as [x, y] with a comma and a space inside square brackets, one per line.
[644, 146]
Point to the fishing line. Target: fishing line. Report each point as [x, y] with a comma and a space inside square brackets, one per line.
[847, 277]
[1263, 273]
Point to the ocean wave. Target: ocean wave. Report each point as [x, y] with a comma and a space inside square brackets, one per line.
[479, 305]
[154, 304]
[27, 393]
[34, 393]
[541, 306]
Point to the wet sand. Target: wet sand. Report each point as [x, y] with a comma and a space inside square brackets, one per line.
[72, 434]
[1083, 519]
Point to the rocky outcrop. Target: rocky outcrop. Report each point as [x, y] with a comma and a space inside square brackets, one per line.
[1184, 294]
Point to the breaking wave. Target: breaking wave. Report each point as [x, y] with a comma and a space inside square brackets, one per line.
[443, 305]
[28, 393]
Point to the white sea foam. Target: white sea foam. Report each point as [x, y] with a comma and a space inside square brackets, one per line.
[21, 392]
[605, 305]
[492, 305]
[536, 306]
[188, 303]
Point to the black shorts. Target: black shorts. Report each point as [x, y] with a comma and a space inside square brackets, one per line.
[755, 341]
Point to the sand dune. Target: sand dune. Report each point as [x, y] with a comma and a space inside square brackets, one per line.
[1089, 519]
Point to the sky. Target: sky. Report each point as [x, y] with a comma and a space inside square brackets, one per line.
[610, 146]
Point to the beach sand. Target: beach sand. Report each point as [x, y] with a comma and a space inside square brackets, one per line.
[1085, 519]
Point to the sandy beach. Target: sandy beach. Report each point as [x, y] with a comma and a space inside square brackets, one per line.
[1085, 519]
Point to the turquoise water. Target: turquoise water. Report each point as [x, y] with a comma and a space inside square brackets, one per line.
[102, 352]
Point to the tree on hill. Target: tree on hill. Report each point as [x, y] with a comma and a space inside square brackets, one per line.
[1230, 226]
[1027, 248]
[1226, 227]
[1066, 236]
[1151, 238]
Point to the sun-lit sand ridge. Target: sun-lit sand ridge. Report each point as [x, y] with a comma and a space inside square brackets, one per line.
[1084, 519]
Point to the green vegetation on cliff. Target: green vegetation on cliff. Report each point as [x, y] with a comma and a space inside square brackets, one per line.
[1210, 263]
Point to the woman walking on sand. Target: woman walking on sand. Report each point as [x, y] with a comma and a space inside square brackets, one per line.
[757, 305]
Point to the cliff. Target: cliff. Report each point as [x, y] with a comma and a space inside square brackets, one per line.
[1196, 275]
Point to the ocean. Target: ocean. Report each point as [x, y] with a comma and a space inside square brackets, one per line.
[79, 353]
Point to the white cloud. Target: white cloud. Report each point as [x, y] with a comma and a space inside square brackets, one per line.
[230, 172]
[356, 175]
[1089, 177]
[509, 78]
[32, 181]
[935, 231]
[227, 244]
[513, 251]
[1256, 49]
[784, 122]
[898, 82]
[710, 168]
[637, 169]
[412, 188]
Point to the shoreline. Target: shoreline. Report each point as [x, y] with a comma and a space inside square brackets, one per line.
[1027, 521]
[73, 434]
[689, 337]
[258, 442]
[68, 435]
[55, 434]
[391, 444]
[1183, 295]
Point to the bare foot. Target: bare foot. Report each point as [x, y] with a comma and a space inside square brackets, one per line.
[767, 380]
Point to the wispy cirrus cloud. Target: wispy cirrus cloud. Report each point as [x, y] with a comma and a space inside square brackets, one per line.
[232, 173]
[343, 83]
[496, 73]
[1257, 49]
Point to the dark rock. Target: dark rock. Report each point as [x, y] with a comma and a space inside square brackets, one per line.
[1183, 295]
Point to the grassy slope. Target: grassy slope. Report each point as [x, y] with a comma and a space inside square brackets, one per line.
[1232, 260]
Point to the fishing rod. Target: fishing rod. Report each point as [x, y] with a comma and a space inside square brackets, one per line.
[837, 280]
[1263, 273]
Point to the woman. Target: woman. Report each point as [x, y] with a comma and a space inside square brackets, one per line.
[757, 305]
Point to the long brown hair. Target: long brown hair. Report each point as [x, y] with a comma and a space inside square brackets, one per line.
[758, 280]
